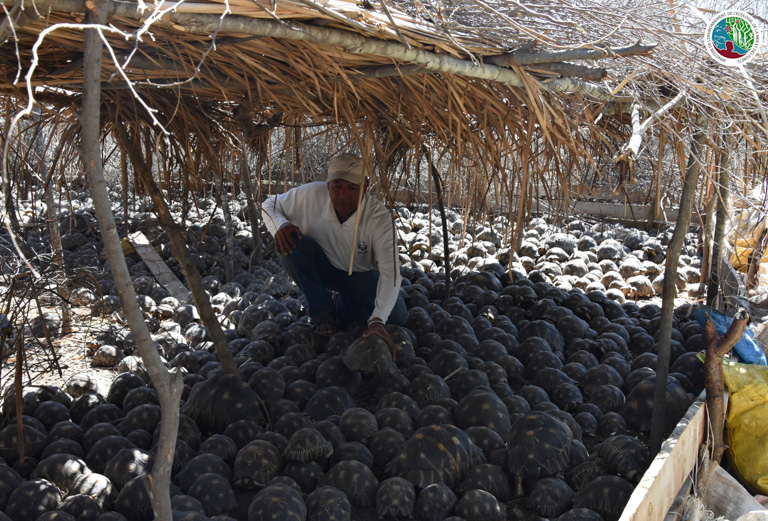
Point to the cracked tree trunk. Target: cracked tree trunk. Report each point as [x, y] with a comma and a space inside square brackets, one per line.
[714, 383]
[169, 385]
[180, 251]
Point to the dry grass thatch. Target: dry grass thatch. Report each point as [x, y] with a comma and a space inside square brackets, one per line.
[506, 92]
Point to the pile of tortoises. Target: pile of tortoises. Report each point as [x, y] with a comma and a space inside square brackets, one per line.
[521, 395]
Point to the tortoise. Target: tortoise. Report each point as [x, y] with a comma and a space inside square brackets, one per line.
[370, 354]
[328, 504]
[291, 422]
[435, 502]
[304, 473]
[610, 424]
[107, 356]
[532, 395]
[60, 469]
[385, 445]
[185, 503]
[63, 446]
[355, 479]
[540, 361]
[307, 444]
[80, 506]
[395, 497]
[330, 432]
[639, 405]
[104, 449]
[538, 446]
[81, 405]
[465, 381]
[219, 445]
[140, 396]
[396, 419]
[352, 450]
[606, 495]
[446, 362]
[242, 431]
[432, 415]
[608, 398]
[550, 498]
[96, 485]
[567, 397]
[479, 505]
[57, 515]
[104, 413]
[33, 439]
[333, 371]
[145, 417]
[9, 480]
[580, 514]
[111, 516]
[436, 454]
[277, 501]
[487, 439]
[328, 401]
[488, 477]
[483, 408]
[214, 492]
[127, 464]
[50, 413]
[32, 498]
[358, 424]
[625, 455]
[427, 389]
[201, 464]
[587, 422]
[220, 400]
[256, 463]
[276, 439]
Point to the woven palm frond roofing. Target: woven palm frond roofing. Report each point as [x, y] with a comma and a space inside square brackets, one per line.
[483, 80]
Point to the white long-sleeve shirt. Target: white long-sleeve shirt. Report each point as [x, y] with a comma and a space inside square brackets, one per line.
[309, 207]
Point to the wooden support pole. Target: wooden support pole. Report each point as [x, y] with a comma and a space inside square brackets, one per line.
[714, 383]
[670, 284]
[723, 190]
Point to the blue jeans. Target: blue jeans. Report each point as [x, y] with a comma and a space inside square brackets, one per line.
[310, 268]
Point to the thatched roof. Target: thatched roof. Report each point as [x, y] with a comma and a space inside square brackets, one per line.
[496, 86]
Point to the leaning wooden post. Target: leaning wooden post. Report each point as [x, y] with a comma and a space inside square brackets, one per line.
[670, 284]
[446, 251]
[716, 349]
[169, 385]
[723, 192]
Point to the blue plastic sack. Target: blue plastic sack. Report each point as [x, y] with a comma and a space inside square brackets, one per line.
[747, 349]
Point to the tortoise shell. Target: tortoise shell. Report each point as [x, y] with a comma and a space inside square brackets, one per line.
[214, 492]
[479, 505]
[354, 451]
[608, 398]
[219, 445]
[242, 431]
[127, 464]
[369, 354]
[104, 413]
[327, 402]
[220, 400]
[396, 419]
[140, 396]
[465, 381]
[304, 473]
[400, 401]
[483, 408]
[256, 463]
[580, 514]
[201, 464]
[538, 446]
[32, 498]
[291, 422]
[145, 417]
[355, 479]
[330, 432]
[427, 389]
[333, 371]
[488, 477]
[395, 497]
[436, 454]
[432, 415]
[307, 444]
[550, 498]
[435, 502]
[358, 424]
[80, 506]
[277, 501]
[385, 445]
[103, 451]
[96, 485]
[328, 504]
[606, 495]
[625, 455]
[50, 413]
[610, 424]
[63, 446]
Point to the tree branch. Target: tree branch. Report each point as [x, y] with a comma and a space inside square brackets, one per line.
[526, 57]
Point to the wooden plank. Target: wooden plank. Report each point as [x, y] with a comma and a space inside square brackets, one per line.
[158, 267]
[668, 472]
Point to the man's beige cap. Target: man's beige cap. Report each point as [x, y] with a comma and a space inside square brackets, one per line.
[348, 167]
